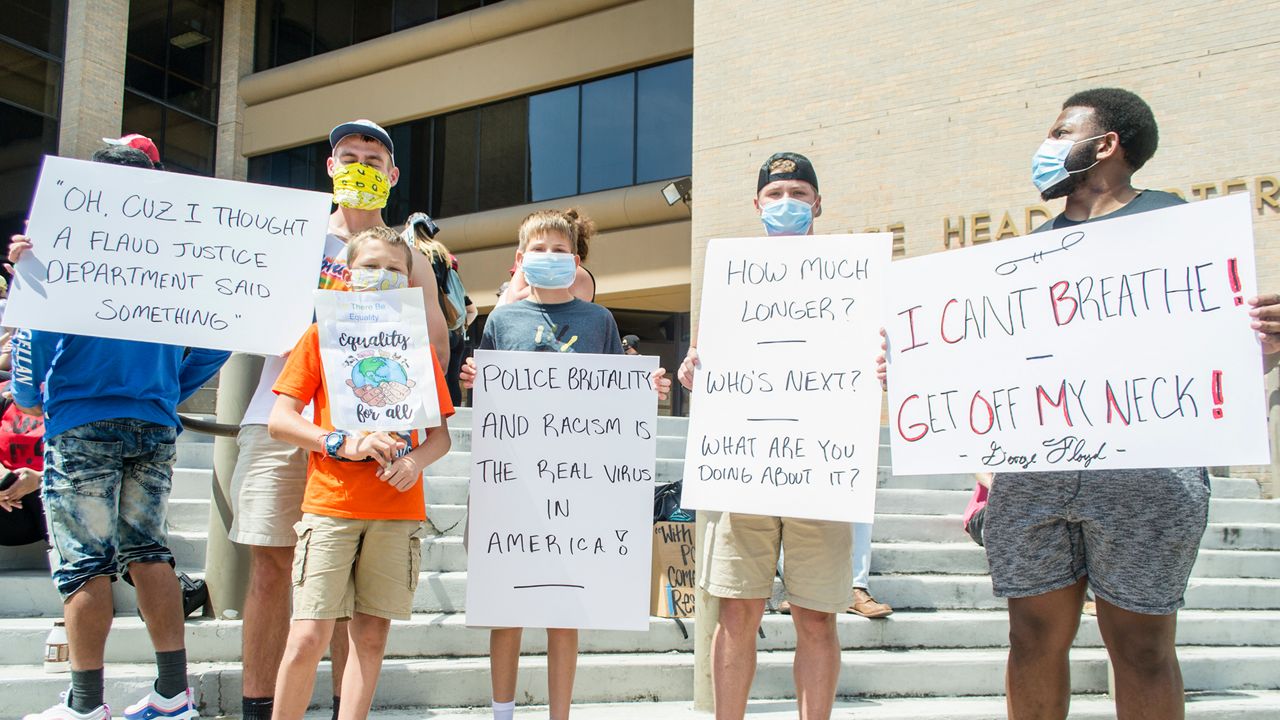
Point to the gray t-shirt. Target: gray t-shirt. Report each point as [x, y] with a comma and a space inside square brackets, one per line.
[573, 326]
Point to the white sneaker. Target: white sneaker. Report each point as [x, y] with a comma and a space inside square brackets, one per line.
[154, 705]
[62, 711]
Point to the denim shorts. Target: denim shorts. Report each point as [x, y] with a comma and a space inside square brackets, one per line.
[106, 495]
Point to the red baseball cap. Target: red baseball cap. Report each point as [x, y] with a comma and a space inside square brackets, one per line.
[137, 142]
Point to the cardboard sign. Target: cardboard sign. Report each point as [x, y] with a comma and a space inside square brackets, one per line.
[377, 360]
[562, 450]
[675, 576]
[135, 254]
[1122, 343]
[786, 405]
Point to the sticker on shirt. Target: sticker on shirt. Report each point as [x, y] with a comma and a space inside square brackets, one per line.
[377, 360]
[556, 338]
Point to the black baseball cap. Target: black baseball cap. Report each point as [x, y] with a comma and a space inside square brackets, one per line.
[787, 166]
[362, 127]
[630, 341]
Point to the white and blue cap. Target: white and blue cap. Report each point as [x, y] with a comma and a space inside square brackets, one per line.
[362, 127]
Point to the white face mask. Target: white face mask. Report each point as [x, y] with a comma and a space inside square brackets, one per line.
[1049, 164]
[376, 280]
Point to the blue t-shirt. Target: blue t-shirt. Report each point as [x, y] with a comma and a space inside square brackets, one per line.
[573, 326]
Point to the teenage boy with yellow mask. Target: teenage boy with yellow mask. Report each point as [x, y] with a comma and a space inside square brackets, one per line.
[271, 475]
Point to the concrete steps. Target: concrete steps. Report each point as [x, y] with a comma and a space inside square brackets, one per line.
[463, 682]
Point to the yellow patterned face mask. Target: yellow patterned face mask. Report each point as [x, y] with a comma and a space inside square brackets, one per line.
[360, 187]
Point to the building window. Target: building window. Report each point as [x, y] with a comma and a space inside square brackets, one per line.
[626, 129]
[292, 30]
[32, 39]
[171, 74]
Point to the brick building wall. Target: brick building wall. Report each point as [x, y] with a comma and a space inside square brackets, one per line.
[924, 116]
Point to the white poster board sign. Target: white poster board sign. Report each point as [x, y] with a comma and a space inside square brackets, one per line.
[136, 254]
[561, 508]
[786, 405]
[377, 360]
[1122, 343]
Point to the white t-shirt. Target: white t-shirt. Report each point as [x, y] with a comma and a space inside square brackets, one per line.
[333, 274]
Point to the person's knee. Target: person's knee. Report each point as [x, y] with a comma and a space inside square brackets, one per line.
[1143, 652]
[739, 618]
[308, 641]
[1040, 633]
[270, 565]
[812, 625]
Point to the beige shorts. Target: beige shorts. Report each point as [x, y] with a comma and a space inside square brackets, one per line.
[740, 559]
[342, 565]
[267, 489]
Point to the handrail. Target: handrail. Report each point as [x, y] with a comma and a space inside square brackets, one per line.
[208, 427]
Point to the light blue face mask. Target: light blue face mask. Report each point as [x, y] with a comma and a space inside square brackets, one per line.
[549, 270]
[1049, 165]
[787, 216]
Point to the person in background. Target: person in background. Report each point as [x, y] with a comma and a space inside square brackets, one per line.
[631, 344]
[22, 521]
[420, 232]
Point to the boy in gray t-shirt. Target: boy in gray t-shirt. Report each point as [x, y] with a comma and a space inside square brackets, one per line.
[572, 326]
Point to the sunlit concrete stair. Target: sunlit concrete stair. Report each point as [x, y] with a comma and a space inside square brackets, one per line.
[946, 640]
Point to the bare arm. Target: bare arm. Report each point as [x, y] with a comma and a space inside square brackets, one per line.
[286, 424]
[405, 472]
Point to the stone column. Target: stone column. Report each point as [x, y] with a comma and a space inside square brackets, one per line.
[93, 75]
[227, 564]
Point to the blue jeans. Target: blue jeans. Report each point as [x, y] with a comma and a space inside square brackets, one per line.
[106, 494]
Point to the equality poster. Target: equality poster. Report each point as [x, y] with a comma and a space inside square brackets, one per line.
[137, 254]
[377, 360]
[1123, 343]
[786, 405]
[561, 508]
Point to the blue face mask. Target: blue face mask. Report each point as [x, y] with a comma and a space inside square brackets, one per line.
[787, 216]
[549, 270]
[1049, 166]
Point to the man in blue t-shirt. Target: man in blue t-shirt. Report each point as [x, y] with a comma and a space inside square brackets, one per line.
[111, 422]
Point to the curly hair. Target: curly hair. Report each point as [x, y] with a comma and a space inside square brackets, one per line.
[1125, 114]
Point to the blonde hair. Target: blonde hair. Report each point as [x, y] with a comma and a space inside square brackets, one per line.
[382, 234]
[417, 238]
[572, 224]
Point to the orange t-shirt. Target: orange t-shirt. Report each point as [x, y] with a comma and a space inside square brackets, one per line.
[348, 489]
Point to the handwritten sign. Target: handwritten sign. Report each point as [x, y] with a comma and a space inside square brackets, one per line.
[786, 408]
[674, 570]
[1123, 343]
[136, 254]
[377, 360]
[563, 449]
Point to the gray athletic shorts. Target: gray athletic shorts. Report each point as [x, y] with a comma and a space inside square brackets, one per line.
[1134, 533]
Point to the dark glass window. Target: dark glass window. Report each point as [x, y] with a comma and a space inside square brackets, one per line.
[503, 137]
[38, 24]
[608, 133]
[553, 144]
[618, 131]
[292, 30]
[453, 182]
[172, 70]
[664, 115]
[32, 38]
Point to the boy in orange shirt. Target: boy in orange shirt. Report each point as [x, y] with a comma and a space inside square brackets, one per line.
[359, 544]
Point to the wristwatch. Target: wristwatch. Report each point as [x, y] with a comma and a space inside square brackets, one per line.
[333, 443]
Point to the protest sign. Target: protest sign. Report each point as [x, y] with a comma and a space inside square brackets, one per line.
[1123, 343]
[674, 571]
[377, 360]
[135, 254]
[786, 405]
[562, 451]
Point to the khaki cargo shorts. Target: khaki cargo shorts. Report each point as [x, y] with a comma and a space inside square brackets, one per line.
[267, 489]
[740, 559]
[343, 565]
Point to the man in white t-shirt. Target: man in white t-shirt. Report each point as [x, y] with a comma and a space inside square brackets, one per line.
[270, 475]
